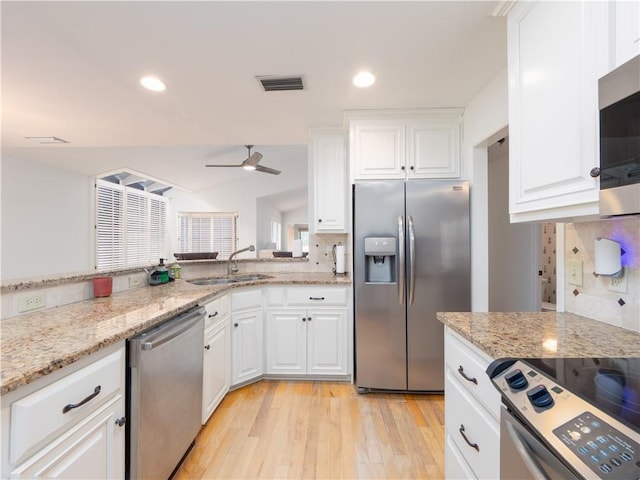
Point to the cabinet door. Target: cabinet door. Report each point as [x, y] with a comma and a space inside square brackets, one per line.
[378, 149]
[329, 167]
[327, 342]
[553, 110]
[627, 35]
[247, 346]
[92, 449]
[216, 368]
[434, 149]
[286, 342]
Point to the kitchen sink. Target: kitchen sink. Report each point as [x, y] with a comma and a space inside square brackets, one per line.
[230, 279]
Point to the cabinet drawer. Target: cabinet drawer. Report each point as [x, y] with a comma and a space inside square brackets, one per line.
[275, 297]
[247, 300]
[455, 466]
[463, 360]
[463, 412]
[217, 310]
[316, 296]
[40, 414]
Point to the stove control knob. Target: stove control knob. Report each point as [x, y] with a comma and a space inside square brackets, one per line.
[540, 397]
[516, 379]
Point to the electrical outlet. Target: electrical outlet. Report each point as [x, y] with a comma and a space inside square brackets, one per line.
[574, 272]
[619, 284]
[32, 301]
[135, 281]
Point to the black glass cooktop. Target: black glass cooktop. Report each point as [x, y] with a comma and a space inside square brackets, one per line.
[611, 384]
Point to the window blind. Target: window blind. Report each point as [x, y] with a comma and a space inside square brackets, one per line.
[208, 232]
[131, 227]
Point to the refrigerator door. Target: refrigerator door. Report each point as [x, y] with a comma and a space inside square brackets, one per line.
[440, 279]
[380, 327]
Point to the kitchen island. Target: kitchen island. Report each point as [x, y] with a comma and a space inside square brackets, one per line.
[36, 344]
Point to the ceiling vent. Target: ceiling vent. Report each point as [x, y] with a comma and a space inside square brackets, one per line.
[272, 83]
[46, 140]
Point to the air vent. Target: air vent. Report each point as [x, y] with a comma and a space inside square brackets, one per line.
[279, 84]
[46, 140]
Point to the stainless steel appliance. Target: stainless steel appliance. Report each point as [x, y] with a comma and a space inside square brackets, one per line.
[165, 394]
[619, 99]
[569, 418]
[411, 259]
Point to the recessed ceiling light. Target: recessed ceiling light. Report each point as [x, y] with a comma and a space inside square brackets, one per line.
[153, 83]
[364, 79]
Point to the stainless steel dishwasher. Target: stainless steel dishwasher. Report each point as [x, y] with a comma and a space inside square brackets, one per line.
[165, 394]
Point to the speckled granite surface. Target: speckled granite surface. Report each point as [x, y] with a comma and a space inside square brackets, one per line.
[542, 335]
[38, 343]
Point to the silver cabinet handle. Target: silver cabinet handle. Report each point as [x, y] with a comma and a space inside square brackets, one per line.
[412, 261]
[173, 328]
[400, 261]
[465, 376]
[71, 406]
[472, 445]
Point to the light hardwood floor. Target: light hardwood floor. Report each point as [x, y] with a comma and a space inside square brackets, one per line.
[323, 430]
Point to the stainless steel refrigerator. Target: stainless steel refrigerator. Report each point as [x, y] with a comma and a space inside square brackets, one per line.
[411, 260]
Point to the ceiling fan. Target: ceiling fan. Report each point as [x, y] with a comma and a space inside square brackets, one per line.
[252, 163]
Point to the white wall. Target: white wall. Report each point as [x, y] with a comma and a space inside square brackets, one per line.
[485, 121]
[46, 221]
[266, 213]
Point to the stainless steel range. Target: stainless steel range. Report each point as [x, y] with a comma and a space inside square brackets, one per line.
[569, 418]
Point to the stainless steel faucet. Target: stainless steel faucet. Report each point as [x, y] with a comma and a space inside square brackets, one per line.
[233, 265]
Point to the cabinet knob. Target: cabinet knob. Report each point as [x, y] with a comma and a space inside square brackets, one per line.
[402, 168]
[121, 421]
[411, 167]
[304, 319]
[595, 172]
[235, 324]
[308, 319]
[207, 347]
[319, 220]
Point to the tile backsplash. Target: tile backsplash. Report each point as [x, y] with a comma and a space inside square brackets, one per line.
[594, 299]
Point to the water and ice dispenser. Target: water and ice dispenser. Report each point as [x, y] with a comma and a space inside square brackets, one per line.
[380, 259]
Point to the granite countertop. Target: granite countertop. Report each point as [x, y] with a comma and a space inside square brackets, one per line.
[41, 342]
[542, 335]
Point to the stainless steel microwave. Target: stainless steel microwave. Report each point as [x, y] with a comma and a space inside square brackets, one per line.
[619, 101]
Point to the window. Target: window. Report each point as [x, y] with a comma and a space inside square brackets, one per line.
[131, 226]
[208, 232]
[276, 234]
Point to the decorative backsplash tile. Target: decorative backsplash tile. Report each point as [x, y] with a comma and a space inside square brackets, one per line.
[594, 299]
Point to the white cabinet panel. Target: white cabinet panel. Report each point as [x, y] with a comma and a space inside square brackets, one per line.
[434, 149]
[247, 346]
[455, 466]
[329, 182]
[216, 371]
[627, 30]
[378, 149]
[553, 110]
[327, 341]
[286, 340]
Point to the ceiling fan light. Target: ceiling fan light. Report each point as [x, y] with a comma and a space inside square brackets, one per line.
[249, 167]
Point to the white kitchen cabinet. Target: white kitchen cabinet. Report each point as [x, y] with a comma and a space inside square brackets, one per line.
[247, 343]
[328, 181]
[472, 412]
[70, 423]
[553, 110]
[627, 31]
[405, 145]
[307, 334]
[216, 371]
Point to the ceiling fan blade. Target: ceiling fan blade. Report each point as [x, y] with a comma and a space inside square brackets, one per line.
[223, 165]
[254, 159]
[272, 171]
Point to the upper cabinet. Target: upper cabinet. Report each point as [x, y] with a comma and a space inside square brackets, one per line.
[553, 110]
[405, 145]
[328, 181]
[626, 34]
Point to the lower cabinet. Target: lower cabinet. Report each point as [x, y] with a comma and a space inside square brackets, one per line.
[472, 412]
[301, 342]
[69, 424]
[216, 368]
[247, 343]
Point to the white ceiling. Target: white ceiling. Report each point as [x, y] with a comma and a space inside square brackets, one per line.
[71, 70]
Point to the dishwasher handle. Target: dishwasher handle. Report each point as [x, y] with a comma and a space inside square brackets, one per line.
[173, 329]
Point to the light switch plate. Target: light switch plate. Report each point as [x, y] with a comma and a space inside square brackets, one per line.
[574, 272]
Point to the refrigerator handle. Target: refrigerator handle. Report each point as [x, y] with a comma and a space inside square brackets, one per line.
[412, 261]
[401, 261]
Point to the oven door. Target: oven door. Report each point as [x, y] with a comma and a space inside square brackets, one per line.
[523, 456]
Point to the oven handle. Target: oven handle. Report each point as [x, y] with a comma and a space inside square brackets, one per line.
[525, 452]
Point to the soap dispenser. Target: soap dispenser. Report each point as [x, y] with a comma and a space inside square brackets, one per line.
[160, 275]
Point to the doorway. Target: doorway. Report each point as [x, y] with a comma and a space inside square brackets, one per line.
[514, 248]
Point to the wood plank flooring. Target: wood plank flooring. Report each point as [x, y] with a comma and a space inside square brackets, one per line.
[322, 430]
